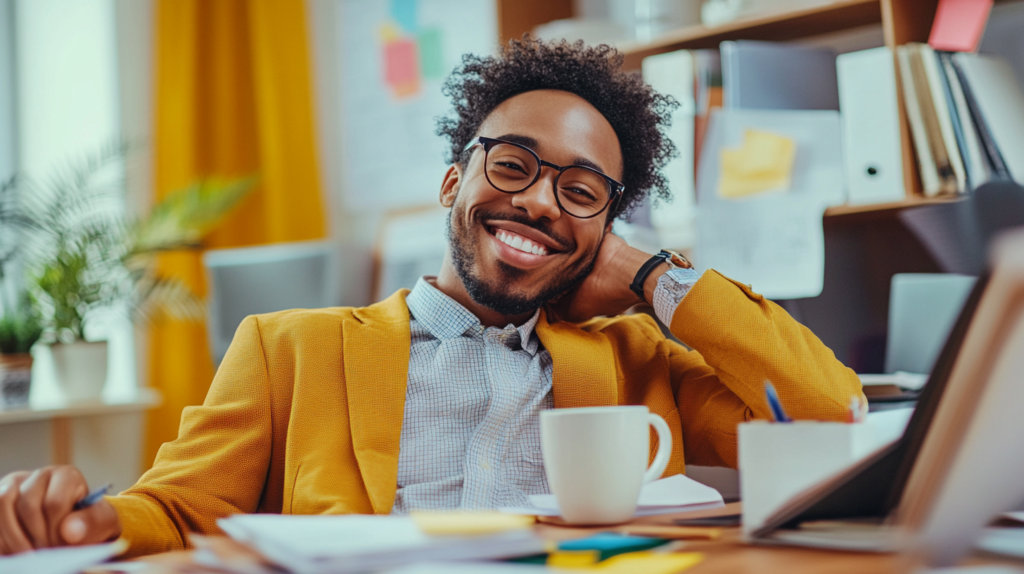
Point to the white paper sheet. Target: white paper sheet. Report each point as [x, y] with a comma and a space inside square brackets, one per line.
[677, 493]
[902, 379]
[358, 543]
[67, 560]
[772, 241]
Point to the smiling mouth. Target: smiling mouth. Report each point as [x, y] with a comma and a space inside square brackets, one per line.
[518, 242]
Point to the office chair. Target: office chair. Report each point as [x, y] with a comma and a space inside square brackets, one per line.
[264, 279]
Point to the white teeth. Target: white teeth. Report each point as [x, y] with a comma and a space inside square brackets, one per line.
[517, 242]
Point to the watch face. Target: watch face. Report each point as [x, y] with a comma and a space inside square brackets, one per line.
[677, 259]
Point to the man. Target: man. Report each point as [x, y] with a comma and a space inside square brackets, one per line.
[431, 398]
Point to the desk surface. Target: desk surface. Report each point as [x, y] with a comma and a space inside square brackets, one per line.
[726, 555]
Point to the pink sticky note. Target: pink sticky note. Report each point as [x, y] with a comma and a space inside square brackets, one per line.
[959, 24]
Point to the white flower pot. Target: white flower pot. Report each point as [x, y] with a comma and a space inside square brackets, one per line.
[81, 369]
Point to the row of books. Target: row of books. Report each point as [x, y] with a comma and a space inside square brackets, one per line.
[966, 115]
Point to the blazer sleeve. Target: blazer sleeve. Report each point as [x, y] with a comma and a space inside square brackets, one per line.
[218, 464]
[739, 340]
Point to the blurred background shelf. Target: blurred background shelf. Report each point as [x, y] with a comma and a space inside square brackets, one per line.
[892, 207]
[790, 25]
[902, 21]
[142, 400]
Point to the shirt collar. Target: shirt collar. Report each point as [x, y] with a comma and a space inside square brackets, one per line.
[445, 318]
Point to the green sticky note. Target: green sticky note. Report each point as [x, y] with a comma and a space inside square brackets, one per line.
[431, 53]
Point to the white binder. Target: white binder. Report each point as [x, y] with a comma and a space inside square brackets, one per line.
[872, 155]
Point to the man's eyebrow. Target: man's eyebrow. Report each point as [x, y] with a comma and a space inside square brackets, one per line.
[521, 140]
[532, 144]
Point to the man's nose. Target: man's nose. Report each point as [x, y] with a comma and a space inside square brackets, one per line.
[538, 200]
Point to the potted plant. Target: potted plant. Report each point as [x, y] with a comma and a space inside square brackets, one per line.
[20, 325]
[87, 259]
[20, 328]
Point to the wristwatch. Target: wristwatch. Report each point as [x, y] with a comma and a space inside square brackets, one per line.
[674, 259]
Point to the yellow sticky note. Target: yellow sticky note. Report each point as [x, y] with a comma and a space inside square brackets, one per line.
[469, 523]
[647, 562]
[573, 558]
[763, 163]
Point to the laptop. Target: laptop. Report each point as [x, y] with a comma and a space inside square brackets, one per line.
[958, 462]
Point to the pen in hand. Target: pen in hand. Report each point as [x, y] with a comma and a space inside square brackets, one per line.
[774, 404]
[93, 497]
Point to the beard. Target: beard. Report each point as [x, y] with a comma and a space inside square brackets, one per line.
[493, 292]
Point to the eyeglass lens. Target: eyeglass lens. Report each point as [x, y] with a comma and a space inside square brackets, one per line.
[581, 191]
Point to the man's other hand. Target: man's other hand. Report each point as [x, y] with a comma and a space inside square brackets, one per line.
[37, 511]
[605, 292]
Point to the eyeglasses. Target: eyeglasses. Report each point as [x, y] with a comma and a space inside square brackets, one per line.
[580, 191]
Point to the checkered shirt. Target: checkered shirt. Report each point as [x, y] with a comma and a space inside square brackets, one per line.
[471, 428]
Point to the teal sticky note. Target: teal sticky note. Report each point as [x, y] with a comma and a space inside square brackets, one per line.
[610, 544]
[403, 12]
[429, 41]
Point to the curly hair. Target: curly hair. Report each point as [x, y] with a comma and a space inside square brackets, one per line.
[639, 115]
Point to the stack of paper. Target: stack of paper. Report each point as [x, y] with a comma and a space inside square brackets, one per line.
[67, 560]
[665, 496]
[359, 543]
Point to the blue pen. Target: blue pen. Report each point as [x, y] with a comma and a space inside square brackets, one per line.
[776, 406]
[93, 497]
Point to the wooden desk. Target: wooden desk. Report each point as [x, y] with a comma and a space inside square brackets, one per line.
[726, 555]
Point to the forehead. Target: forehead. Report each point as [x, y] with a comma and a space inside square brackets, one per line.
[564, 125]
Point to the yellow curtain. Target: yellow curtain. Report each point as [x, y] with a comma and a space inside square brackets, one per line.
[233, 97]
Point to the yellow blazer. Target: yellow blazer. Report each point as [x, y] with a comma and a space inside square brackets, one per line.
[305, 412]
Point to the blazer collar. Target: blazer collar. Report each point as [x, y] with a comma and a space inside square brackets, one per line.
[583, 363]
[376, 359]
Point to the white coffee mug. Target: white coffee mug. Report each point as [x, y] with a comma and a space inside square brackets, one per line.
[596, 460]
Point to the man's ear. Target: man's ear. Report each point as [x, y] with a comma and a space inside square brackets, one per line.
[450, 185]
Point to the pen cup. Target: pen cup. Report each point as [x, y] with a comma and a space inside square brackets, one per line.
[778, 461]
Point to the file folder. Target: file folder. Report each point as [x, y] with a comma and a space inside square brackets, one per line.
[868, 108]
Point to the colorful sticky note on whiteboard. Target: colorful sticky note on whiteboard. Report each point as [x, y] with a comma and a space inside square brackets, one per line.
[763, 163]
[959, 24]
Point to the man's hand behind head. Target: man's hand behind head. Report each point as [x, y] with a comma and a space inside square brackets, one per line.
[37, 511]
[605, 291]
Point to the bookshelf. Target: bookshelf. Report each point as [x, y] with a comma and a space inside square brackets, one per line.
[902, 21]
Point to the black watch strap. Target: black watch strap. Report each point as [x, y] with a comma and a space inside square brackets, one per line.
[638, 282]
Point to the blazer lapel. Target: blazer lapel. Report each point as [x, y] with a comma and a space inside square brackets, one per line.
[583, 363]
[376, 359]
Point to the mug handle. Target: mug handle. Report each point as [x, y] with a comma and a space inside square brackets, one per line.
[664, 448]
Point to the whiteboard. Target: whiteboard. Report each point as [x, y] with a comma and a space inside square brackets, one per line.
[395, 55]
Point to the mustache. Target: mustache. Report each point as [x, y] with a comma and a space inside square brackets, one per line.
[565, 244]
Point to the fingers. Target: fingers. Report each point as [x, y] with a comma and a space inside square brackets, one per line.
[12, 538]
[67, 486]
[97, 523]
[28, 507]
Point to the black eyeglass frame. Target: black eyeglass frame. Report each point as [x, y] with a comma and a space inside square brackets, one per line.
[487, 143]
